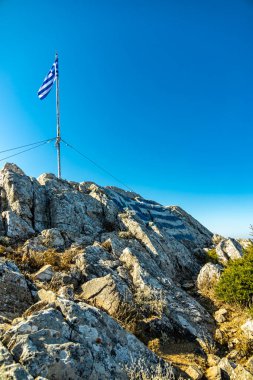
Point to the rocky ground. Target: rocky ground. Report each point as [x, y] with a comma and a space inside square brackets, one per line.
[100, 283]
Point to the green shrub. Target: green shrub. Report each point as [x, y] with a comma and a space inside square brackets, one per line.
[236, 282]
[212, 256]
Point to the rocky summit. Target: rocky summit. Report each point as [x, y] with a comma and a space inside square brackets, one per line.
[100, 283]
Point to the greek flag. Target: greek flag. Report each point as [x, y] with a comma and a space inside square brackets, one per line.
[49, 80]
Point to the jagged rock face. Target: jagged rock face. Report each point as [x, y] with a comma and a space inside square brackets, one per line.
[74, 341]
[77, 209]
[15, 294]
[156, 253]
[121, 271]
[135, 252]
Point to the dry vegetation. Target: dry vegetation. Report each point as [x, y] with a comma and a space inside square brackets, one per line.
[59, 260]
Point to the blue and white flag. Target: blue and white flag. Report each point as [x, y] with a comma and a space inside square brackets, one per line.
[49, 80]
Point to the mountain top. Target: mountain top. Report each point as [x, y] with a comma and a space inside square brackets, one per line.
[92, 278]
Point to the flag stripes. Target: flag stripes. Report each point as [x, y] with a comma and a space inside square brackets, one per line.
[49, 80]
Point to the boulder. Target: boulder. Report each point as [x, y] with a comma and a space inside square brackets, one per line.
[16, 227]
[208, 276]
[227, 366]
[46, 295]
[229, 249]
[52, 238]
[107, 292]
[247, 328]
[76, 342]
[15, 294]
[67, 292]
[44, 274]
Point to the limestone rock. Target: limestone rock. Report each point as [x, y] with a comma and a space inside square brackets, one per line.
[44, 274]
[208, 276]
[241, 373]
[15, 294]
[229, 249]
[247, 328]
[227, 366]
[107, 292]
[201, 234]
[67, 292]
[52, 238]
[143, 246]
[221, 315]
[9, 369]
[47, 295]
[217, 238]
[76, 342]
[195, 373]
[15, 226]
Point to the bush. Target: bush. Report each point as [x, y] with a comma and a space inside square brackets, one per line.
[236, 282]
[212, 256]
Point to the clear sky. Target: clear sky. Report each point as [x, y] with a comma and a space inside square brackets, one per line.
[160, 93]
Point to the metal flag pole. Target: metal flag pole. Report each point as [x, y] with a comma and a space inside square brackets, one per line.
[58, 138]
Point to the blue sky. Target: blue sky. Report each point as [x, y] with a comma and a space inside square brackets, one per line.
[160, 93]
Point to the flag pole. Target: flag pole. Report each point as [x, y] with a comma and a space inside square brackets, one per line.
[58, 138]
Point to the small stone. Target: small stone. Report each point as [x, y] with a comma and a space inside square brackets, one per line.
[188, 285]
[44, 274]
[220, 315]
[46, 295]
[218, 335]
[195, 373]
[66, 292]
[234, 354]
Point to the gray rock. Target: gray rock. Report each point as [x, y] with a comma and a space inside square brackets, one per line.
[229, 249]
[44, 274]
[16, 227]
[9, 369]
[148, 248]
[247, 328]
[14, 292]
[208, 276]
[195, 373]
[108, 292]
[52, 238]
[76, 341]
